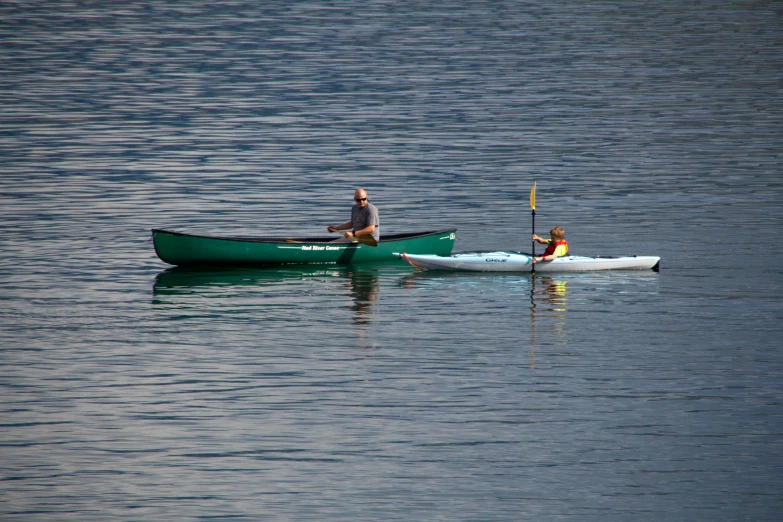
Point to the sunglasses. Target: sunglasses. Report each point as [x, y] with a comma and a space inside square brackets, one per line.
[360, 199]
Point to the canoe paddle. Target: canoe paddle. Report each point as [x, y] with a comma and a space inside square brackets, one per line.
[533, 208]
[365, 240]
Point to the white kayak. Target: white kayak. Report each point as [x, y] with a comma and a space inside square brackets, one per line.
[519, 262]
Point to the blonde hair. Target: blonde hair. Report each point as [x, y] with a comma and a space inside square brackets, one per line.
[557, 233]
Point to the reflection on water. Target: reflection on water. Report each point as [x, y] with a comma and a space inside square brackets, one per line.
[554, 293]
[364, 290]
[547, 293]
[539, 303]
[177, 287]
[179, 281]
[548, 296]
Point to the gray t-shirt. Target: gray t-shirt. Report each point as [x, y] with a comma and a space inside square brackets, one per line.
[363, 217]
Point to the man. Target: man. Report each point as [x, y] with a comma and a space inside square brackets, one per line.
[364, 219]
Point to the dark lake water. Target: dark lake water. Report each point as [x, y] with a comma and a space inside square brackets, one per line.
[133, 391]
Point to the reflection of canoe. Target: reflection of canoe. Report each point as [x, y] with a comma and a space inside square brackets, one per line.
[179, 288]
[181, 249]
[518, 262]
[225, 281]
[184, 280]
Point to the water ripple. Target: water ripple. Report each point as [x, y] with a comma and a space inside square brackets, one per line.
[132, 390]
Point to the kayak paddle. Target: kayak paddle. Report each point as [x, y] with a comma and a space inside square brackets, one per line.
[533, 208]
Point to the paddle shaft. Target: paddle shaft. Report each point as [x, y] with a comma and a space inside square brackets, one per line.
[534, 232]
[533, 210]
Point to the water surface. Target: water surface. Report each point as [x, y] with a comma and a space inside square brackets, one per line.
[135, 391]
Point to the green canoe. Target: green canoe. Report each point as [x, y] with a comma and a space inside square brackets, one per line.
[176, 248]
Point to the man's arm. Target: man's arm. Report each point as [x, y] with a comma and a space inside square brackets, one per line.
[344, 226]
[366, 231]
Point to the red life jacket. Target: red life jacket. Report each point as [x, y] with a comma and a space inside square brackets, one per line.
[550, 249]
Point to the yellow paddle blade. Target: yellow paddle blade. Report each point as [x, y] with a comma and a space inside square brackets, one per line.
[533, 197]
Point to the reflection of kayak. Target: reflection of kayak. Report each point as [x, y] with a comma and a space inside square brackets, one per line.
[519, 262]
[181, 249]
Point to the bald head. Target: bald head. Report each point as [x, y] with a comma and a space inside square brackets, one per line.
[360, 196]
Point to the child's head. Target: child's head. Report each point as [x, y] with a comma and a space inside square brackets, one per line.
[557, 233]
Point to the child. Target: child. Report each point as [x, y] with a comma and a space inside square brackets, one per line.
[557, 245]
